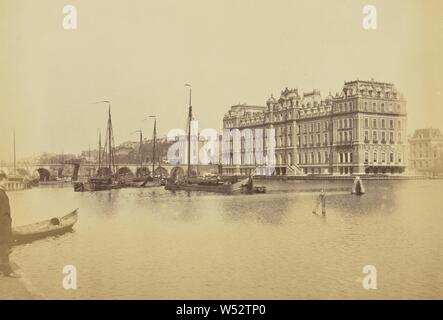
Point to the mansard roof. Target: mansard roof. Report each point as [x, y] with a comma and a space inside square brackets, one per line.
[427, 133]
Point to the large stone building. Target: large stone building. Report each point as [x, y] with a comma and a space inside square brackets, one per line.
[361, 130]
[426, 151]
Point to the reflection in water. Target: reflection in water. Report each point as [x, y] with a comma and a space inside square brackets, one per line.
[154, 244]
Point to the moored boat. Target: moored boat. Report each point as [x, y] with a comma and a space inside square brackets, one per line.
[99, 184]
[207, 184]
[219, 186]
[39, 230]
[188, 186]
[106, 177]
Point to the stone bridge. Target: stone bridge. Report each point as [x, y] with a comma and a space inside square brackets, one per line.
[78, 169]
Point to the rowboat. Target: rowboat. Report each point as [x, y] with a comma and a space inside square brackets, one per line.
[51, 227]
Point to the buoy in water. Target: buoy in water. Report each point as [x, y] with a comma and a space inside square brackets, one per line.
[358, 188]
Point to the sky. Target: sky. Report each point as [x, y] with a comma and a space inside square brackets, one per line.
[139, 54]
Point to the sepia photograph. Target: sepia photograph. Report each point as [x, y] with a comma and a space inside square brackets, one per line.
[221, 150]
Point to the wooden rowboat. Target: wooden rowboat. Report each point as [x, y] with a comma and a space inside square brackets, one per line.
[39, 230]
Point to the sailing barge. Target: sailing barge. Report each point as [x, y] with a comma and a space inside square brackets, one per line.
[106, 177]
[218, 185]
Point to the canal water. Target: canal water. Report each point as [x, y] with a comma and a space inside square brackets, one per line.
[154, 244]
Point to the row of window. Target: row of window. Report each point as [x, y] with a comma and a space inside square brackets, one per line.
[313, 139]
[383, 137]
[383, 157]
[345, 123]
[426, 154]
[323, 139]
[323, 158]
[344, 107]
[314, 127]
[345, 157]
[374, 107]
[422, 164]
[383, 123]
[279, 117]
[280, 130]
[345, 136]
[313, 157]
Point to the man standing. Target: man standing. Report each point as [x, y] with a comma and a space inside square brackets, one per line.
[5, 230]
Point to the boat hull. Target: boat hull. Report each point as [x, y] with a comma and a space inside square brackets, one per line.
[47, 228]
[225, 188]
[198, 187]
[88, 186]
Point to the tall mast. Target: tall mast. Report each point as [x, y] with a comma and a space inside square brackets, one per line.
[99, 150]
[154, 146]
[140, 150]
[109, 140]
[15, 163]
[189, 129]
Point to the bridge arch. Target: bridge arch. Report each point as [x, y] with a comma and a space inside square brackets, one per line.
[161, 172]
[124, 171]
[177, 174]
[44, 174]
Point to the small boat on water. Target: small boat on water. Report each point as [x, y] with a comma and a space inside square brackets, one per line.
[358, 188]
[98, 184]
[218, 186]
[39, 230]
[194, 185]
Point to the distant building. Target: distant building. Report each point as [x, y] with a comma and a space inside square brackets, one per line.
[361, 130]
[426, 151]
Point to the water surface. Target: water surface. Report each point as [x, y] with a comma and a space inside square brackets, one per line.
[154, 244]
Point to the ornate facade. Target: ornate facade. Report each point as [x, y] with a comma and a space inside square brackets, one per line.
[361, 130]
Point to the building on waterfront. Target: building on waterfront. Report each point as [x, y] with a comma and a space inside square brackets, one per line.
[360, 130]
[426, 151]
